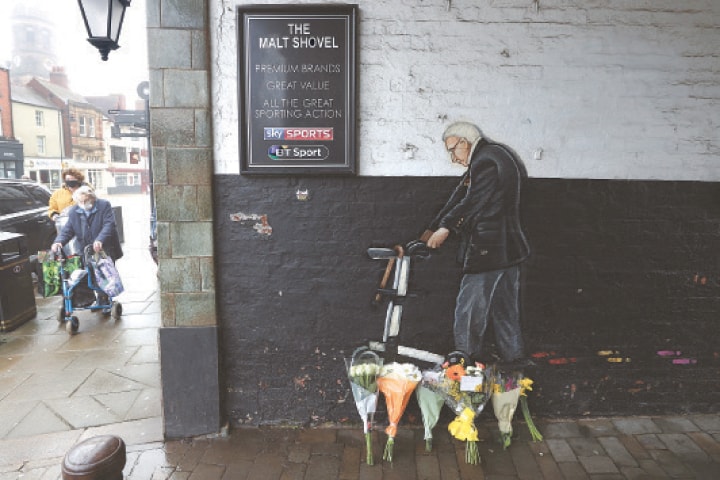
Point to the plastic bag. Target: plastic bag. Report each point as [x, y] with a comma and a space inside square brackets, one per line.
[81, 293]
[51, 281]
[105, 273]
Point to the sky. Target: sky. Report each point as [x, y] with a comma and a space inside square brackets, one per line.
[88, 74]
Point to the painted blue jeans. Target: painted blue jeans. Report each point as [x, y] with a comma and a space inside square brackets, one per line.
[489, 297]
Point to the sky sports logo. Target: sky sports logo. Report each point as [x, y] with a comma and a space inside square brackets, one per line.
[302, 134]
[294, 152]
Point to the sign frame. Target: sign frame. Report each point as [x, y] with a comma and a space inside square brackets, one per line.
[294, 61]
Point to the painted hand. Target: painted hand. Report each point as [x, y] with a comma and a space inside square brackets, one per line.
[438, 238]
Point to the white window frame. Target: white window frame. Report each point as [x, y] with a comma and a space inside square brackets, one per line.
[40, 141]
[96, 179]
[82, 131]
[39, 118]
[91, 127]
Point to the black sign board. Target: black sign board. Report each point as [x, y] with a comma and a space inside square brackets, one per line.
[296, 65]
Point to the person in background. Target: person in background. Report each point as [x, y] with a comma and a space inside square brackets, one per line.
[484, 211]
[92, 222]
[63, 196]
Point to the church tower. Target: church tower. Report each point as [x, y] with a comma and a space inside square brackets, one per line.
[34, 39]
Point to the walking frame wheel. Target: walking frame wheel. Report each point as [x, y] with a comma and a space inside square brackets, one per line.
[116, 310]
[72, 325]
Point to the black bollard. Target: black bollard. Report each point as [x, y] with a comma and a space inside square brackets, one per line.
[97, 458]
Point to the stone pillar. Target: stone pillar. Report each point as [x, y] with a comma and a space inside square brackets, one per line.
[182, 170]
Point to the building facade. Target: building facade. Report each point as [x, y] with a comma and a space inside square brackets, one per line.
[11, 150]
[39, 128]
[81, 123]
[612, 108]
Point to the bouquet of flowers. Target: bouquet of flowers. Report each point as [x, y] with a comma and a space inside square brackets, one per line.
[508, 390]
[466, 392]
[363, 369]
[397, 382]
[431, 403]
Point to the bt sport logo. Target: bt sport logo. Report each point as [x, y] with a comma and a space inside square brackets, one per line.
[298, 134]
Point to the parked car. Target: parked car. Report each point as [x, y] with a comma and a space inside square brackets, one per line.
[23, 209]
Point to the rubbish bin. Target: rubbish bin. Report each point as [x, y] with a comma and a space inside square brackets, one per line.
[119, 223]
[17, 297]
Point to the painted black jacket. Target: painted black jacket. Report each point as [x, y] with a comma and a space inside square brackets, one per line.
[484, 209]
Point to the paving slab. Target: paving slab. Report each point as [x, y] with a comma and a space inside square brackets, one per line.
[82, 411]
[617, 451]
[40, 420]
[636, 425]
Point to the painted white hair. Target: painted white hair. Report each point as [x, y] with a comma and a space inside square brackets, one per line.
[466, 130]
[82, 191]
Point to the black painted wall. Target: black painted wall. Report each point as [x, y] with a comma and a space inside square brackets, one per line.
[621, 294]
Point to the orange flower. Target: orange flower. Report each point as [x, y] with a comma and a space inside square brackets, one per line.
[455, 372]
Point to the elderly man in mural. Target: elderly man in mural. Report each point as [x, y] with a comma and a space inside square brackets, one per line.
[484, 210]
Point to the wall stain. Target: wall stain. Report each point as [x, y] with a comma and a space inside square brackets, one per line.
[262, 226]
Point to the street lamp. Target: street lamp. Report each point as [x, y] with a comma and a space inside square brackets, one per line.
[103, 21]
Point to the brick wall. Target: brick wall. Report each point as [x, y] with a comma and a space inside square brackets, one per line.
[610, 290]
[5, 105]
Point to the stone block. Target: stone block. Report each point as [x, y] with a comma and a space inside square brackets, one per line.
[189, 166]
[152, 15]
[195, 309]
[177, 203]
[204, 202]
[173, 127]
[156, 89]
[186, 88]
[180, 275]
[191, 239]
[190, 383]
[159, 169]
[163, 234]
[207, 274]
[199, 51]
[171, 48]
[183, 13]
[167, 308]
[203, 128]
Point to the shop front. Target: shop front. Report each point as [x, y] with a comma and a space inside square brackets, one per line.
[45, 170]
[11, 159]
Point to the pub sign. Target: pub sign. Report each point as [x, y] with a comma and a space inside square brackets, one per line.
[297, 88]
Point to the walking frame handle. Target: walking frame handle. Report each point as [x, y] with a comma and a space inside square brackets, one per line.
[388, 270]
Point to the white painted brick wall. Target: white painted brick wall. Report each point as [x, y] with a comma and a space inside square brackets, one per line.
[626, 89]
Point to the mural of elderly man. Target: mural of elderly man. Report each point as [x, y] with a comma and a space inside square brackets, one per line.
[484, 211]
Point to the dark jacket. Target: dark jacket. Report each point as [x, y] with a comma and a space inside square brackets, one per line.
[484, 209]
[98, 225]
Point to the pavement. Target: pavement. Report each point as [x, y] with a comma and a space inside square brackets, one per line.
[57, 389]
